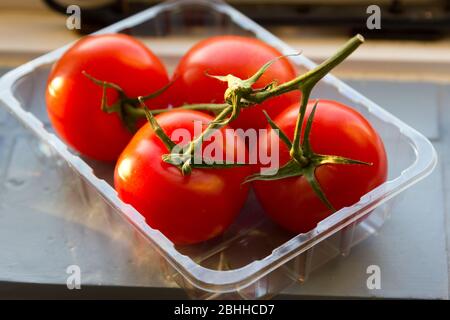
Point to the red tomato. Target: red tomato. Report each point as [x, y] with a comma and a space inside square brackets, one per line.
[336, 130]
[241, 57]
[187, 209]
[73, 101]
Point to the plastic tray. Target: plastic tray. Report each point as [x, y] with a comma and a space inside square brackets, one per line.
[254, 258]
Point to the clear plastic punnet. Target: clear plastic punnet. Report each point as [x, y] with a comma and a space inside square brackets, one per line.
[254, 258]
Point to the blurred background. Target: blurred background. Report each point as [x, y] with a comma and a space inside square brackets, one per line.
[407, 19]
[414, 33]
[404, 67]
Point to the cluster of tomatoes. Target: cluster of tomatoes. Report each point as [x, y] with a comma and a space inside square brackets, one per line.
[97, 98]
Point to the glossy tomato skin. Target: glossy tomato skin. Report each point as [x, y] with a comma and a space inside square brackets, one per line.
[187, 209]
[240, 56]
[73, 101]
[337, 130]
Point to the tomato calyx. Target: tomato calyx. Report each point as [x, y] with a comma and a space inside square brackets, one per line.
[127, 108]
[304, 161]
[187, 160]
[240, 93]
[238, 89]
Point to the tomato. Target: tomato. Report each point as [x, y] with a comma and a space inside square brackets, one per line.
[73, 101]
[336, 130]
[187, 209]
[241, 57]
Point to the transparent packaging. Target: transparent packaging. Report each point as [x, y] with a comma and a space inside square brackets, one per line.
[254, 258]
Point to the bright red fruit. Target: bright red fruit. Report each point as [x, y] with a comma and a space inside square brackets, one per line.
[336, 130]
[187, 209]
[73, 101]
[241, 57]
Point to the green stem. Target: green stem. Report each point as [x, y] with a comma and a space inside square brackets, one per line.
[296, 151]
[136, 101]
[156, 127]
[305, 83]
[310, 78]
[140, 113]
[216, 124]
